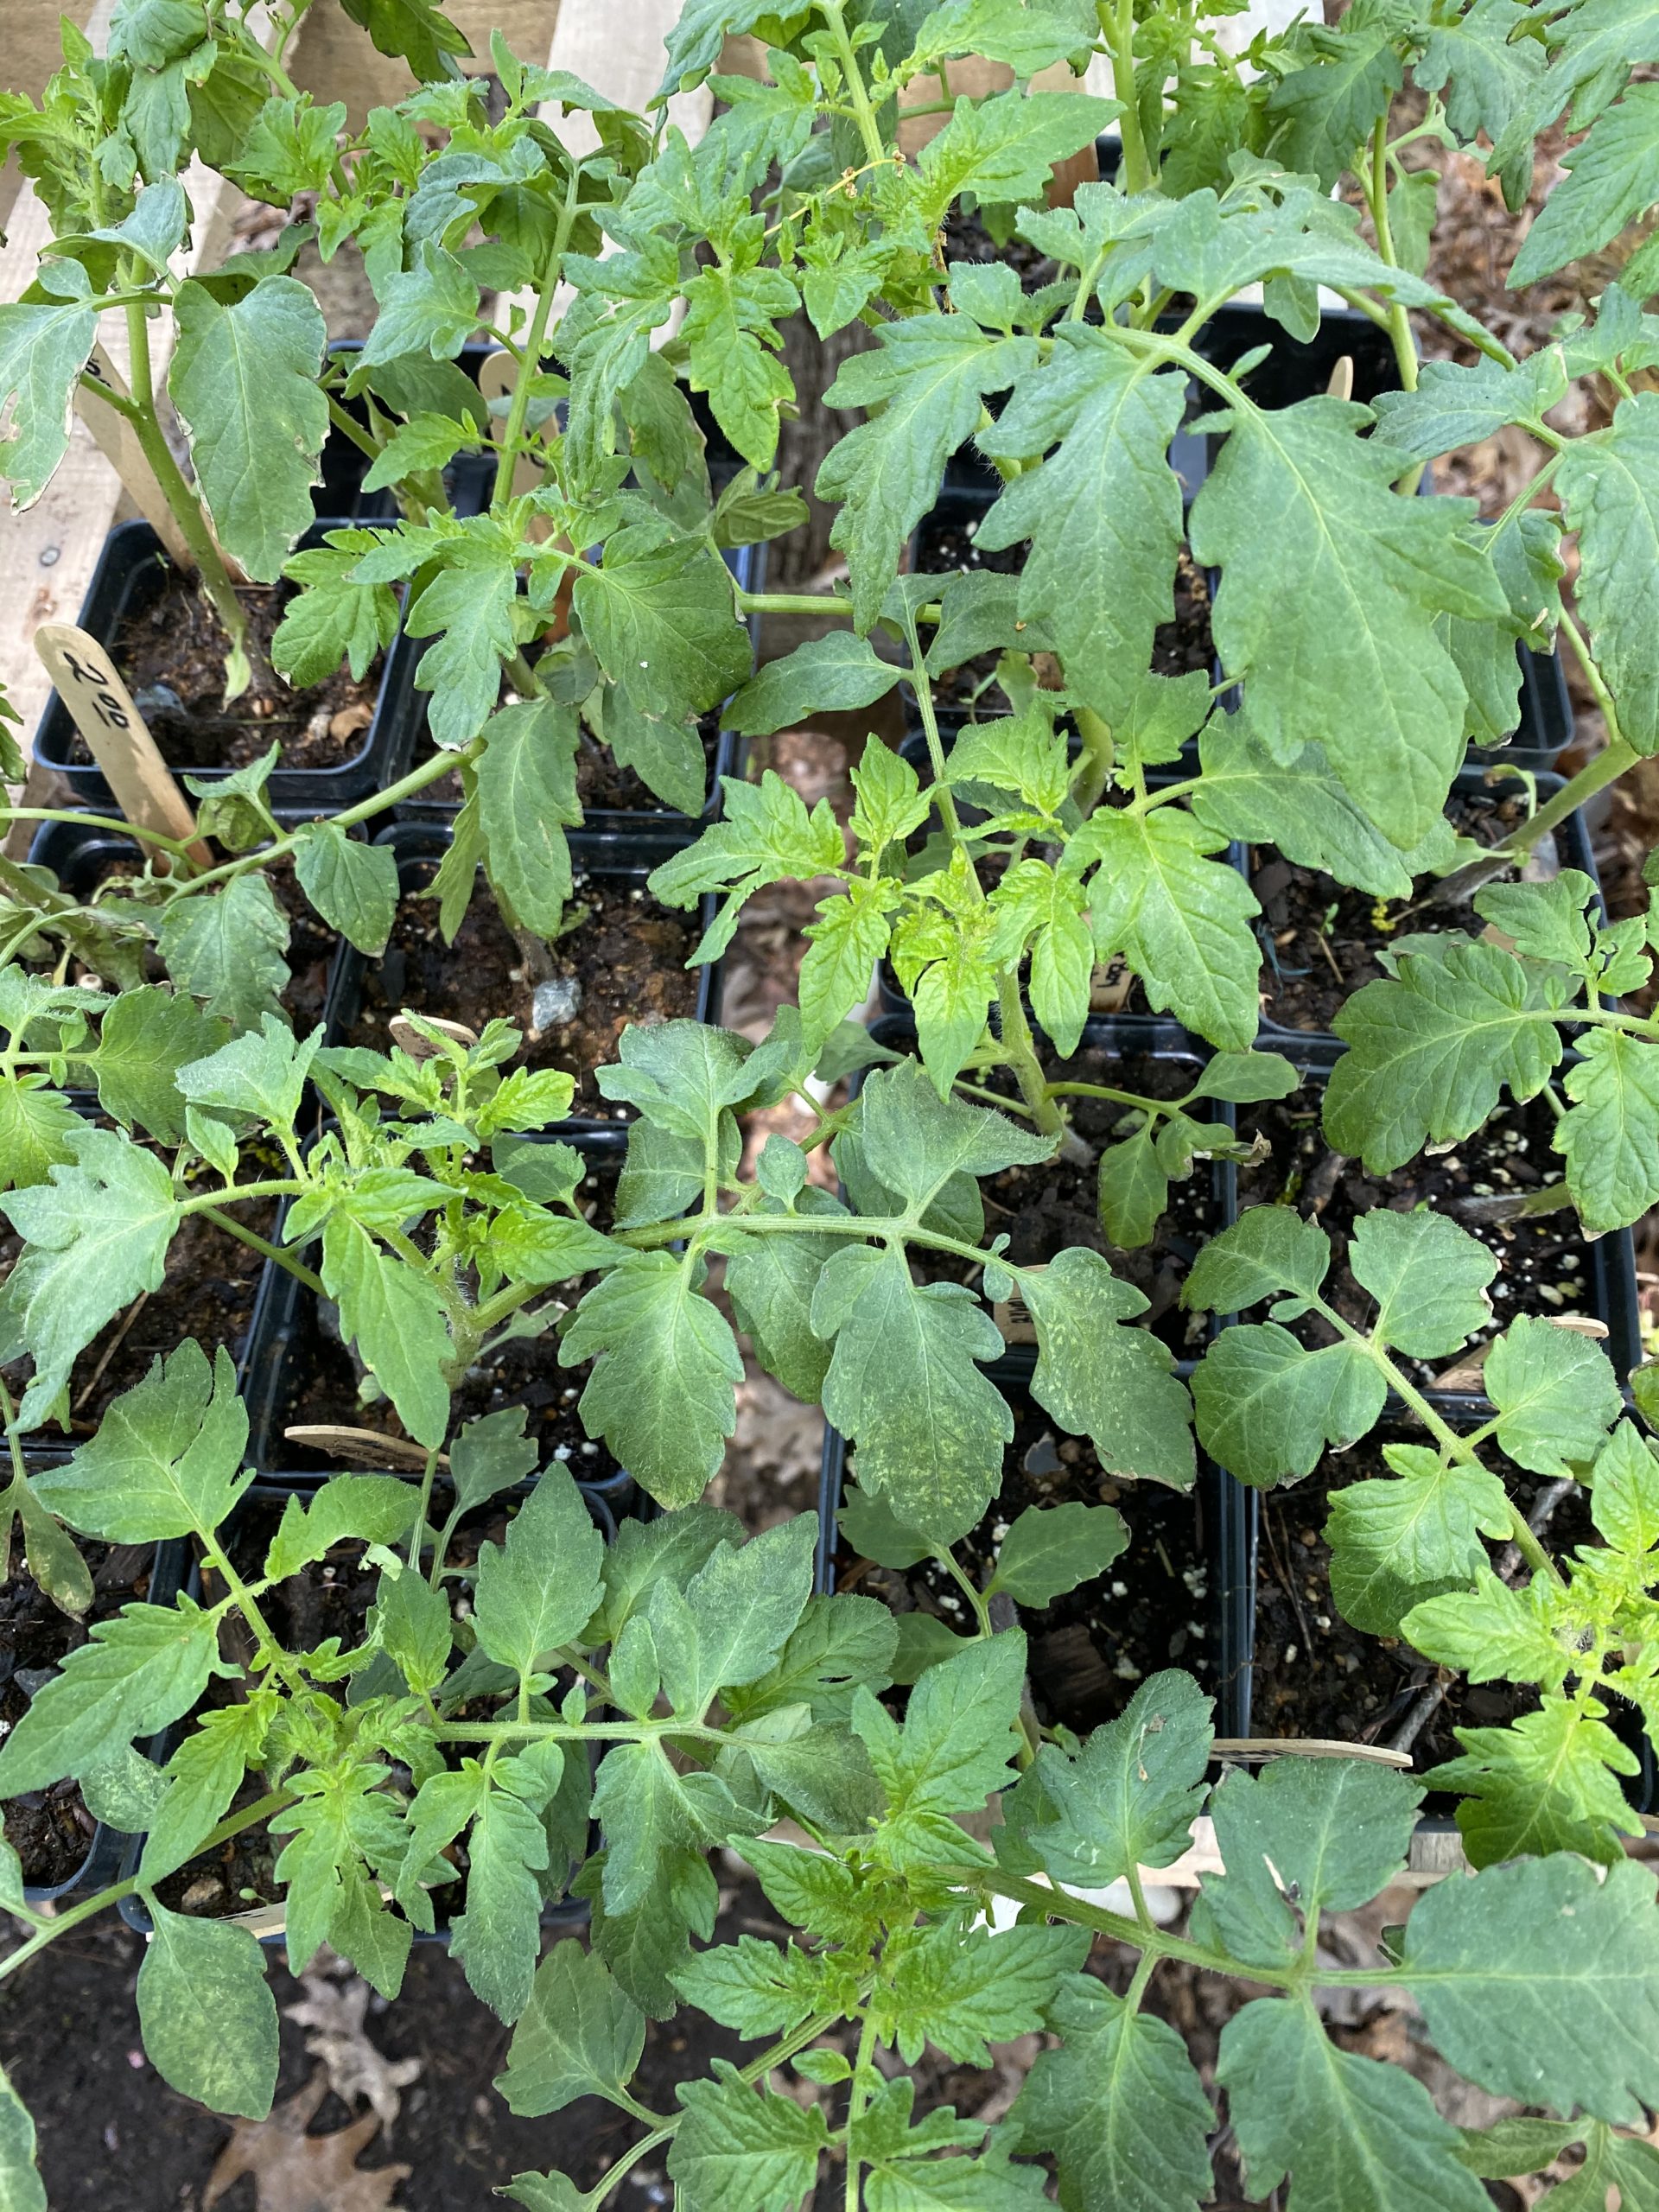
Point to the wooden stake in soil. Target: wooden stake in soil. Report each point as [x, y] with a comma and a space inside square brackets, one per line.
[117, 738]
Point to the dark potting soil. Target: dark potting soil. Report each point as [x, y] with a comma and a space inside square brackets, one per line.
[602, 784]
[1090, 1648]
[966, 238]
[1544, 1265]
[51, 1830]
[320, 1376]
[170, 650]
[947, 543]
[1045, 1209]
[1317, 1676]
[207, 1293]
[1320, 940]
[625, 954]
[112, 2133]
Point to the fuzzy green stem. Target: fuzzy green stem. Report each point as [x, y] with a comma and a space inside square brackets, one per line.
[1399, 321]
[1116, 20]
[251, 1237]
[112, 822]
[1022, 1056]
[186, 508]
[1609, 764]
[869, 129]
[518, 407]
[1094, 769]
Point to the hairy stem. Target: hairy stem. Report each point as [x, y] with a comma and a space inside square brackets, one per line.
[186, 508]
[1116, 20]
[1399, 321]
[518, 407]
[869, 129]
[1095, 767]
[251, 1237]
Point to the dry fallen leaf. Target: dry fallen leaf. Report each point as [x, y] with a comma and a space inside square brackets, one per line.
[296, 2172]
[334, 2012]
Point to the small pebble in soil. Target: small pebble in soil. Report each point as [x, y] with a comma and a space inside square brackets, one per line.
[554, 1003]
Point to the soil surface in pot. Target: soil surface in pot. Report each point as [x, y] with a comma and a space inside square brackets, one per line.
[625, 954]
[319, 1378]
[1043, 1210]
[332, 1597]
[949, 542]
[1544, 1265]
[1315, 1676]
[1320, 940]
[51, 1830]
[602, 784]
[1090, 1649]
[966, 238]
[169, 650]
[207, 1293]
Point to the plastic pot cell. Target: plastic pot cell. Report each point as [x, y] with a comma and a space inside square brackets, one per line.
[130, 580]
[301, 1375]
[1319, 939]
[620, 958]
[61, 1803]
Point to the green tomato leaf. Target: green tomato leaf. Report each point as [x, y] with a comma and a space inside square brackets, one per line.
[142, 1668]
[1103, 1380]
[1266, 1408]
[1609, 485]
[1181, 920]
[1585, 1943]
[904, 1385]
[1350, 2130]
[527, 798]
[1129, 1796]
[22, 2189]
[928, 378]
[1429, 1054]
[1547, 1783]
[1611, 1132]
[1046, 1553]
[837, 672]
[1555, 1393]
[740, 2149]
[580, 2035]
[43, 349]
[207, 2013]
[662, 1392]
[331, 618]
[1119, 2106]
[228, 949]
[1428, 1278]
[353, 885]
[395, 1316]
[166, 1459]
[1393, 1544]
[244, 380]
[535, 1592]
[1300, 515]
[96, 1236]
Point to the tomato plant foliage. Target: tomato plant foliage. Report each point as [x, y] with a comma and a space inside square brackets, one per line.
[536, 1711]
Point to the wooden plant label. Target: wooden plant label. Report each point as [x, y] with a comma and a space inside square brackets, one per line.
[117, 441]
[117, 736]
